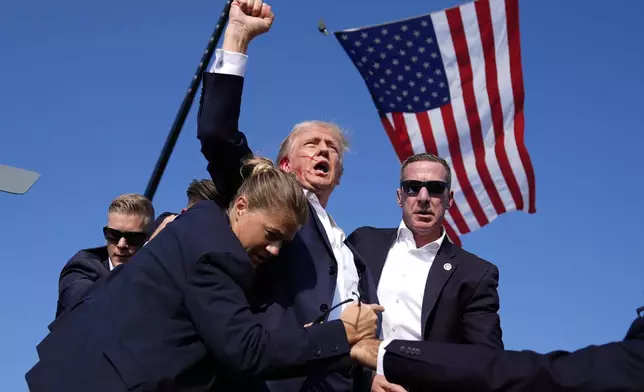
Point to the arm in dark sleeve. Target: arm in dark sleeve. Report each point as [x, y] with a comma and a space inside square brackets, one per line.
[222, 144]
[451, 367]
[78, 275]
[237, 339]
[481, 321]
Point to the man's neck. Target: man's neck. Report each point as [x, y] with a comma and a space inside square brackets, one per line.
[425, 238]
[322, 196]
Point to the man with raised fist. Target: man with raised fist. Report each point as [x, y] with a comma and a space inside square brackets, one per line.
[317, 274]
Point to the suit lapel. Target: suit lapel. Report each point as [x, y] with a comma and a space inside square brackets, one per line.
[320, 227]
[442, 268]
[381, 253]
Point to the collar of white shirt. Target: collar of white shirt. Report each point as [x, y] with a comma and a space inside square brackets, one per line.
[322, 214]
[407, 237]
[109, 260]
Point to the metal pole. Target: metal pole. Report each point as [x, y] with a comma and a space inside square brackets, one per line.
[171, 140]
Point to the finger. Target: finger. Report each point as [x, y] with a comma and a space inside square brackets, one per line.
[257, 7]
[376, 307]
[263, 13]
[389, 387]
[246, 5]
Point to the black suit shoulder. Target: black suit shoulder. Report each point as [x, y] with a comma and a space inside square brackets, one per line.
[368, 233]
[473, 262]
[78, 274]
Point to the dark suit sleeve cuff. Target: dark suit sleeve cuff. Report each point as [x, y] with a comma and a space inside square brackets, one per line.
[328, 339]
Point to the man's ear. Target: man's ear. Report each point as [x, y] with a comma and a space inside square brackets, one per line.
[285, 164]
[450, 199]
[399, 197]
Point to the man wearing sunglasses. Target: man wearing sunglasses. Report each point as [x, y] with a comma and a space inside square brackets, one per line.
[432, 289]
[125, 233]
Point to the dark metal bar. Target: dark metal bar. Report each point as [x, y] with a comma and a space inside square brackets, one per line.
[171, 140]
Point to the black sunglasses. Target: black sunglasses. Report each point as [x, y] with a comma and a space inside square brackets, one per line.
[325, 315]
[413, 187]
[132, 238]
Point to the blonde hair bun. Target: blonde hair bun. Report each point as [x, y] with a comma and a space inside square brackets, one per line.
[255, 166]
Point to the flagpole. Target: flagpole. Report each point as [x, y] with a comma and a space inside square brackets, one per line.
[184, 109]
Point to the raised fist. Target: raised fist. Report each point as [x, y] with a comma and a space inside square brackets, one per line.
[250, 17]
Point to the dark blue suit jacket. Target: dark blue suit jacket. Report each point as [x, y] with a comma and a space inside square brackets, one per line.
[303, 277]
[180, 317]
[79, 274]
[431, 366]
[460, 304]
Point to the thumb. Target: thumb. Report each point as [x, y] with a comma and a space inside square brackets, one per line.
[377, 307]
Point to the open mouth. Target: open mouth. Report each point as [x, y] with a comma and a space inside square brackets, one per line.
[321, 168]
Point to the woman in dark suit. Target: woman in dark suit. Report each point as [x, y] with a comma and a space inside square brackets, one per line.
[180, 315]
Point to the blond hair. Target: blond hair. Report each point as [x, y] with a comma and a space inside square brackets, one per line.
[287, 144]
[269, 188]
[134, 204]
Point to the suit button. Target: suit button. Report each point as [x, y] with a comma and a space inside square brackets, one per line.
[324, 308]
[336, 349]
[317, 352]
[402, 349]
[333, 269]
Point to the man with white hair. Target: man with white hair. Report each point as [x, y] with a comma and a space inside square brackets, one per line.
[316, 274]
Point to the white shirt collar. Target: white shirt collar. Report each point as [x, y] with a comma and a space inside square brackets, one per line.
[405, 235]
[109, 260]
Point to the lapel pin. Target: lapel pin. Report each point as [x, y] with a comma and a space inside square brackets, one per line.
[447, 266]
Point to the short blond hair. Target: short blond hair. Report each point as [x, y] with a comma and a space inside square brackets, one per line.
[134, 204]
[271, 189]
[287, 144]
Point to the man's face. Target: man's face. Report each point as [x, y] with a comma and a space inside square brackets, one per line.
[315, 158]
[423, 209]
[119, 249]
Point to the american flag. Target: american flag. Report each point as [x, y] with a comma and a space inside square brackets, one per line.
[450, 83]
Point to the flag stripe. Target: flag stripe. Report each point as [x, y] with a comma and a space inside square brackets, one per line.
[455, 21]
[437, 125]
[484, 17]
[459, 167]
[499, 26]
[425, 127]
[414, 131]
[464, 194]
[458, 219]
[514, 44]
[400, 140]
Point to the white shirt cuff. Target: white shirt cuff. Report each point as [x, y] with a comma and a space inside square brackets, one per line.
[381, 356]
[230, 63]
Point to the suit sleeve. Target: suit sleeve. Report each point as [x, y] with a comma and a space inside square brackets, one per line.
[452, 367]
[222, 144]
[481, 321]
[237, 339]
[77, 276]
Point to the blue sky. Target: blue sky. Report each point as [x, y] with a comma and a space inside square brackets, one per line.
[89, 91]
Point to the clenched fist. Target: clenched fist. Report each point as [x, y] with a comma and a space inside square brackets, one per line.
[247, 20]
[360, 321]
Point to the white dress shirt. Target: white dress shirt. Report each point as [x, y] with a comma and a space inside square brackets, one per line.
[347, 279]
[402, 287]
[109, 260]
[232, 63]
